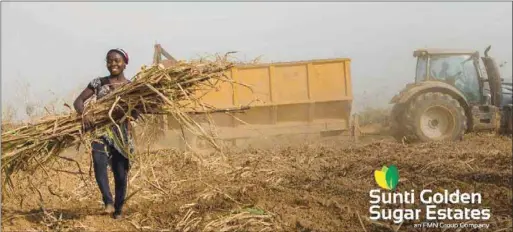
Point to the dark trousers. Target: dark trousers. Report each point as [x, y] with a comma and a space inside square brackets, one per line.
[119, 165]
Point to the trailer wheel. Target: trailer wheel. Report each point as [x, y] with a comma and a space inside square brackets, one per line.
[434, 116]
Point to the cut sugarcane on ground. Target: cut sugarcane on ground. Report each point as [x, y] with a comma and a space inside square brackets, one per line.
[319, 185]
[175, 91]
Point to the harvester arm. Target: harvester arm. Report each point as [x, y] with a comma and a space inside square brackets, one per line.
[159, 52]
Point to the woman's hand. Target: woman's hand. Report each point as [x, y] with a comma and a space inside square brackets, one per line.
[87, 122]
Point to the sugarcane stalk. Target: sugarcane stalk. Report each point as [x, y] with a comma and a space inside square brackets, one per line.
[154, 90]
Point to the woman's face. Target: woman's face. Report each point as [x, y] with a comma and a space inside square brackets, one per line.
[115, 63]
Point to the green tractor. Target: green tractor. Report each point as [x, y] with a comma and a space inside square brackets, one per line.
[455, 92]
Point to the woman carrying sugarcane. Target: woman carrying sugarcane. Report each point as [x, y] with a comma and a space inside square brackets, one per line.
[112, 146]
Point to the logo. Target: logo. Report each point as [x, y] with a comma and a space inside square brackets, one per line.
[387, 177]
[399, 206]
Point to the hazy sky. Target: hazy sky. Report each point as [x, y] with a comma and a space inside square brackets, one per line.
[59, 47]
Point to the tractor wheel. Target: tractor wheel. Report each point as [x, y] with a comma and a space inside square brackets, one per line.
[434, 117]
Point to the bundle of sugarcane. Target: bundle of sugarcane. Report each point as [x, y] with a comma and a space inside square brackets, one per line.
[154, 90]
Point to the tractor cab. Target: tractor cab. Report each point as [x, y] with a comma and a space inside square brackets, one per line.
[479, 82]
[458, 68]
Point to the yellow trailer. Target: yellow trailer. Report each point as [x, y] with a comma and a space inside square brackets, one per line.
[301, 97]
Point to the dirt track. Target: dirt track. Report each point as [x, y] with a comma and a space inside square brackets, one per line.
[322, 186]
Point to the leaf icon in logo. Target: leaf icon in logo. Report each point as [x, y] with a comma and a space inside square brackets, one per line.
[392, 177]
[380, 177]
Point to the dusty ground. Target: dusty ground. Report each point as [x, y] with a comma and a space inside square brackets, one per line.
[320, 186]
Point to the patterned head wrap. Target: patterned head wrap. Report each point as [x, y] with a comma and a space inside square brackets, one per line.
[121, 52]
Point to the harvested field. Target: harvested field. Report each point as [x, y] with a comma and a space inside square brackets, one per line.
[320, 186]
